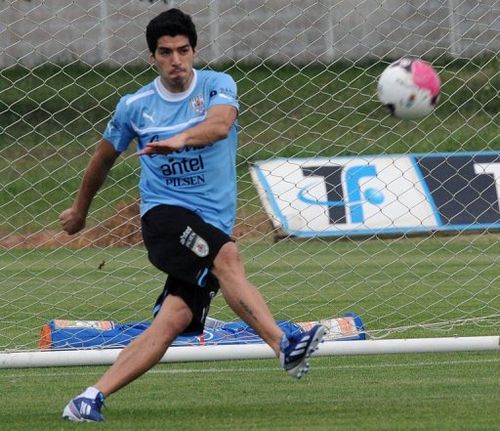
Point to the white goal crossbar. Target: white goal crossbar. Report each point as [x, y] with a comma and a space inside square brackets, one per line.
[252, 351]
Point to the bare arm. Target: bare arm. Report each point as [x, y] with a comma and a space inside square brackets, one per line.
[73, 219]
[216, 126]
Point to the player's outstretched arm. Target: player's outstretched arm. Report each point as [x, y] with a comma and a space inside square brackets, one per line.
[73, 219]
[215, 127]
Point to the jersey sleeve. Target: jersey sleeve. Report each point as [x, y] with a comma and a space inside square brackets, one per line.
[119, 131]
[223, 91]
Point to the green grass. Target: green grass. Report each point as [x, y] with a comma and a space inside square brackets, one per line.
[52, 116]
[390, 283]
[456, 391]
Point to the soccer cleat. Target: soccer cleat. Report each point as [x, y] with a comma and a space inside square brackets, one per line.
[81, 409]
[295, 351]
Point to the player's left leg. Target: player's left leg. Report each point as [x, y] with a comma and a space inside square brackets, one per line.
[244, 298]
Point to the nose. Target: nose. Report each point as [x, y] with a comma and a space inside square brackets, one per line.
[176, 58]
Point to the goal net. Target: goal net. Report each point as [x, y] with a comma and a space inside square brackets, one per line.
[307, 80]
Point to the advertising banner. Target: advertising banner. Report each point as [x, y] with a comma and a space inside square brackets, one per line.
[386, 194]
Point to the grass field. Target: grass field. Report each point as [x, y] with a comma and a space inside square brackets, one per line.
[455, 391]
[390, 283]
[51, 118]
[414, 392]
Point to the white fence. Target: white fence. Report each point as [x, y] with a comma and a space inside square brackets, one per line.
[51, 117]
[112, 31]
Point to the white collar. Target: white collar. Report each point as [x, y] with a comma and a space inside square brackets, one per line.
[170, 96]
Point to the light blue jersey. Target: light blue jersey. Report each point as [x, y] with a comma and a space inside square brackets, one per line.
[202, 179]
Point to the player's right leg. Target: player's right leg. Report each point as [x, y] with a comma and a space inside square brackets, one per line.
[148, 348]
[139, 356]
[86, 407]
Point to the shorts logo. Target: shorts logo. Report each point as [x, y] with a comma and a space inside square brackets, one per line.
[194, 242]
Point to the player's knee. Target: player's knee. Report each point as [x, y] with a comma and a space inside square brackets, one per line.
[179, 322]
[166, 337]
[228, 256]
[174, 317]
[228, 263]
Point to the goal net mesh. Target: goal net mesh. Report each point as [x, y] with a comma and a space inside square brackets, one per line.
[307, 79]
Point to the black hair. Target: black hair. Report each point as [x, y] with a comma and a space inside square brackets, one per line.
[172, 22]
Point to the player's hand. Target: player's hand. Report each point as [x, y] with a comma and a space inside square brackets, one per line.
[72, 221]
[166, 146]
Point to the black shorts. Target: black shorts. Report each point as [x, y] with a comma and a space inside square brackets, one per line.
[181, 244]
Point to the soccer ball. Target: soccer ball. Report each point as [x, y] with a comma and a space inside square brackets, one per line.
[410, 88]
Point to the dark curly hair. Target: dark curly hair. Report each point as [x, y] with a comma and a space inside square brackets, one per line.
[172, 22]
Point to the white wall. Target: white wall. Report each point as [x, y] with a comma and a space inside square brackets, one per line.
[94, 31]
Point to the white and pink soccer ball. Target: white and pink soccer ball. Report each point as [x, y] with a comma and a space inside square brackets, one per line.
[410, 88]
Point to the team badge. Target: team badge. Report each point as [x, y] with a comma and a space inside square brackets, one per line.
[198, 104]
[194, 242]
[200, 247]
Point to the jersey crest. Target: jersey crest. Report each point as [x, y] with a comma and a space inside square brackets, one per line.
[198, 104]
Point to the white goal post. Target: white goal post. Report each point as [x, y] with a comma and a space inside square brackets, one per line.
[253, 351]
[423, 272]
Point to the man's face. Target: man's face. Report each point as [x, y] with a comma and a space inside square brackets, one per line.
[174, 59]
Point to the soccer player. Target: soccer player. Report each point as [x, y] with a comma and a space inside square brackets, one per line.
[185, 125]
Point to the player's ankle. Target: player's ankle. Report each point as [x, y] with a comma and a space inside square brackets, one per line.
[91, 392]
